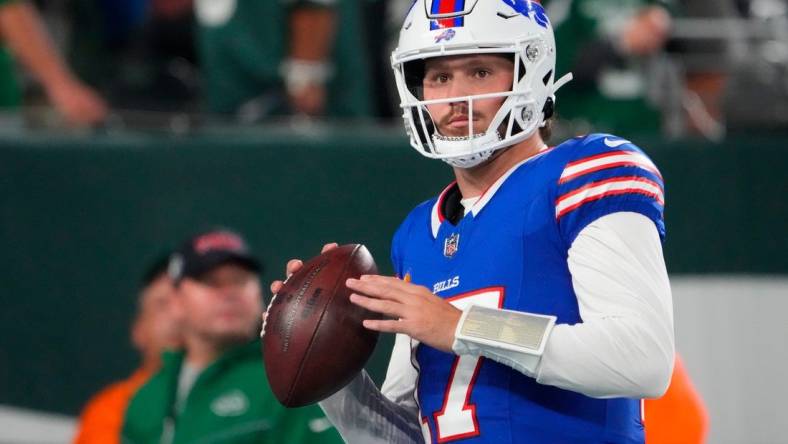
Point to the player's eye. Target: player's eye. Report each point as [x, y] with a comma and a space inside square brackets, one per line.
[436, 77]
[482, 73]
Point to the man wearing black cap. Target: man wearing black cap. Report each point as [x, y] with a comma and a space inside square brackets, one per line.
[216, 389]
[219, 294]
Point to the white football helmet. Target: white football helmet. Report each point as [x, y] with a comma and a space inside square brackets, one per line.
[437, 28]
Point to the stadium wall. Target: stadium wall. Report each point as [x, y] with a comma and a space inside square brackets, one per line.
[83, 216]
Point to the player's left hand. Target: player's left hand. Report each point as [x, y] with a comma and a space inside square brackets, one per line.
[416, 311]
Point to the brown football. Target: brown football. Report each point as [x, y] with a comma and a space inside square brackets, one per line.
[314, 342]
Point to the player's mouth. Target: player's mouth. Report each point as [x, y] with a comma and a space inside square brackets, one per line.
[460, 121]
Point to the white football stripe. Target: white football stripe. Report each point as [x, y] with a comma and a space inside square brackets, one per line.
[570, 200]
[583, 166]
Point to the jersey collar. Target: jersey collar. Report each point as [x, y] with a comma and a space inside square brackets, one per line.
[437, 216]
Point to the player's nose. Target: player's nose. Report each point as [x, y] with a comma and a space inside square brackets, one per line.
[458, 90]
[460, 85]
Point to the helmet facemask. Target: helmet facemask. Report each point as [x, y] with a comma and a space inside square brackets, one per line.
[519, 30]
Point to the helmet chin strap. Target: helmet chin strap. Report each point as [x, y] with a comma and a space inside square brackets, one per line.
[446, 145]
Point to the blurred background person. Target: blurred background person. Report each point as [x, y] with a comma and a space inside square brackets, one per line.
[755, 94]
[140, 53]
[606, 45]
[155, 328]
[216, 388]
[24, 38]
[702, 41]
[241, 61]
[263, 58]
[282, 57]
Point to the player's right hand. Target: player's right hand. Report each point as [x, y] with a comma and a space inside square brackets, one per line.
[293, 265]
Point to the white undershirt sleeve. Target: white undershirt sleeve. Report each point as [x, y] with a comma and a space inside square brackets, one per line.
[363, 414]
[624, 346]
[400, 383]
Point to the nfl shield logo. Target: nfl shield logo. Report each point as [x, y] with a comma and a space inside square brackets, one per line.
[451, 245]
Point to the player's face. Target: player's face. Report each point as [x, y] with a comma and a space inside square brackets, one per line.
[223, 305]
[157, 326]
[466, 75]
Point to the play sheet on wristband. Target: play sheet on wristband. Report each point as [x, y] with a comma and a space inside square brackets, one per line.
[506, 329]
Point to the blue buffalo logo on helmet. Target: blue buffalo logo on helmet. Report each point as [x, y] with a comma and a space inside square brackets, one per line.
[445, 36]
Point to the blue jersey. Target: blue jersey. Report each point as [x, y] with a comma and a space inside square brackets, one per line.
[510, 251]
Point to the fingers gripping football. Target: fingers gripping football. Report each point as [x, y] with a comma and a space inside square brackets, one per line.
[416, 311]
[293, 265]
[411, 309]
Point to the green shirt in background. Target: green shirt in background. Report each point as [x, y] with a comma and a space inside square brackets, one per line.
[241, 44]
[229, 403]
[615, 99]
[10, 92]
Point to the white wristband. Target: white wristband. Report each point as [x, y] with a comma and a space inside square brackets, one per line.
[299, 73]
[514, 338]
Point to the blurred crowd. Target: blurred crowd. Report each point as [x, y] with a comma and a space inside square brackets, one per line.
[201, 376]
[677, 68]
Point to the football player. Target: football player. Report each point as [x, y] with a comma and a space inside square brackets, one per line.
[531, 302]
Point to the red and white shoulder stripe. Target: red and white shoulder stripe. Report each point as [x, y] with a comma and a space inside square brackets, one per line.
[605, 188]
[604, 161]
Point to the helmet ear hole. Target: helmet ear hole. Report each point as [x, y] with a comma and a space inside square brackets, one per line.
[549, 108]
